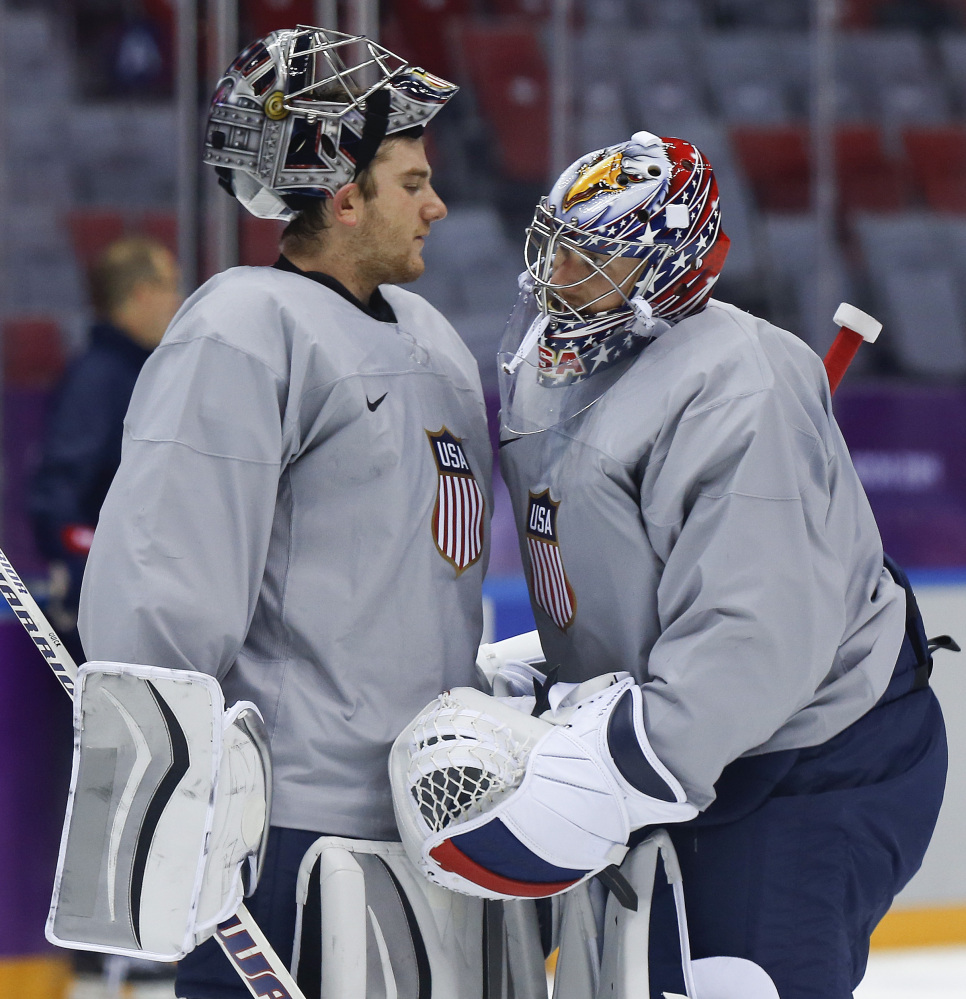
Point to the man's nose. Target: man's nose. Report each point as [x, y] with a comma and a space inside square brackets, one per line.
[435, 209]
[566, 270]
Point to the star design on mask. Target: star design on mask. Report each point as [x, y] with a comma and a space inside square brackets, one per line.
[679, 263]
[602, 356]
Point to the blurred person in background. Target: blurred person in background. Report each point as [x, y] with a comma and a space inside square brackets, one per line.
[134, 294]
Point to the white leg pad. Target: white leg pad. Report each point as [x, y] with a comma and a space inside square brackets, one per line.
[617, 967]
[167, 814]
[577, 972]
[386, 932]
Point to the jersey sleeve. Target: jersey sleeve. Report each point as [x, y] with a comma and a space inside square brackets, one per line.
[751, 598]
[180, 548]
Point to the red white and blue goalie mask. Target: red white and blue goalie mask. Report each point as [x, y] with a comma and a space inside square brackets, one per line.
[652, 199]
[302, 111]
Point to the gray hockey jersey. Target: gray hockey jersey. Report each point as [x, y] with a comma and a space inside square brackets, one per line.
[301, 510]
[702, 526]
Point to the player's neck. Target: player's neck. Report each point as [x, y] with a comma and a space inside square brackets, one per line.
[333, 260]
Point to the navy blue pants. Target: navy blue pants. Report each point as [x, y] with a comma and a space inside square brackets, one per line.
[802, 851]
[205, 973]
[799, 883]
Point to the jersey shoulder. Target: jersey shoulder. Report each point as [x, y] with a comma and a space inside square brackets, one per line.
[244, 297]
[273, 316]
[427, 321]
[735, 352]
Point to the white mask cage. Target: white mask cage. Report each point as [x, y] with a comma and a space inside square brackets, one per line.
[547, 235]
[347, 69]
[302, 111]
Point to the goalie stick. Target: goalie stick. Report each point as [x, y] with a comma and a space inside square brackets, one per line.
[855, 328]
[244, 944]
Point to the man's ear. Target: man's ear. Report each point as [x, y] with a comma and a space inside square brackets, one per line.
[346, 203]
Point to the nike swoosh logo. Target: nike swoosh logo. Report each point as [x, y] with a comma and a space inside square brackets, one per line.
[508, 440]
[373, 406]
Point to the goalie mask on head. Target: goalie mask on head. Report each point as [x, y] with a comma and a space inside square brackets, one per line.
[652, 199]
[292, 120]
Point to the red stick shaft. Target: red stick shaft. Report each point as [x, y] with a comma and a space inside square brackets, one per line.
[840, 355]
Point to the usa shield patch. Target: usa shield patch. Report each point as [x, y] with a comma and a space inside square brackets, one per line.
[551, 588]
[458, 514]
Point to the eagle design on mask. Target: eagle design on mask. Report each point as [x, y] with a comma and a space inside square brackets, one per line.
[612, 172]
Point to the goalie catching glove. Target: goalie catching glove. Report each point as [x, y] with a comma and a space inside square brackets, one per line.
[493, 802]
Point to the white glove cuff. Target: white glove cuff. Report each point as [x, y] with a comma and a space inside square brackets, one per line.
[652, 793]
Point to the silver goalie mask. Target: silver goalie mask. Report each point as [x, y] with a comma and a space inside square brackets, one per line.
[301, 112]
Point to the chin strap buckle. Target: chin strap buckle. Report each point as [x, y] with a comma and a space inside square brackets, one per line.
[645, 323]
[643, 313]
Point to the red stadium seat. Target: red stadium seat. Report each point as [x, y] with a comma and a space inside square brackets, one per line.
[508, 71]
[868, 179]
[859, 13]
[92, 231]
[258, 17]
[522, 8]
[258, 240]
[162, 226]
[776, 162]
[937, 159]
[885, 14]
[419, 31]
[33, 354]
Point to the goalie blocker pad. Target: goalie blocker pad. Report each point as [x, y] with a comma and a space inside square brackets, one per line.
[370, 926]
[167, 815]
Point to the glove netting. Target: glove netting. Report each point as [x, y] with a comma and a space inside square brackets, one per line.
[462, 762]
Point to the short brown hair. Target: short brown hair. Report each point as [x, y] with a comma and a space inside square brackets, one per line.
[305, 232]
[119, 269]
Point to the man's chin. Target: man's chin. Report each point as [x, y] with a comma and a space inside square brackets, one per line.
[412, 272]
